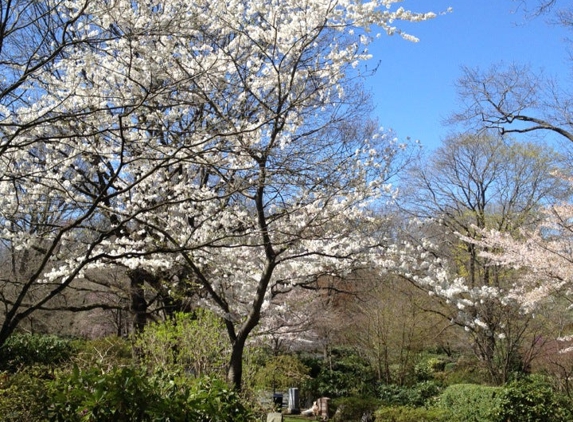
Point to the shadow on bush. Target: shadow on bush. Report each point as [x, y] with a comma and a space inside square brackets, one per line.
[353, 409]
[418, 395]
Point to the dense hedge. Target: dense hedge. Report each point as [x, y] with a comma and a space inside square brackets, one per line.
[30, 349]
[526, 400]
[470, 402]
[47, 378]
[531, 400]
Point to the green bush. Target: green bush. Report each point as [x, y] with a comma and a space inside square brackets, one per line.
[23, 395]
[131, 394]
[466, 370]
[346, 374]
[411, 414]
[32, 349]
[427, 368]
[280, 373]
[531, 400]
[415, 396]
[107, 352]
[92, 395]
[350, 409]
[470, 402]
[192, 343]
[211, 400]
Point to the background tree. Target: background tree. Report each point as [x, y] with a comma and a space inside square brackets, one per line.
[469, 185]
[393, 323]
[514, 99]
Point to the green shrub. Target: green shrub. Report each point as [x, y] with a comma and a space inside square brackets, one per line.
[345, 374]
[107, 352]
[91, 395]
[211, 400]
[470, 402]
[466, 370]
[531, 400]
[23, 395]
[411, 414]
[350, 409]
[415, 396]
[427, 368]
[192, 343]
[131, 394]
[31, 349]
[280, 372]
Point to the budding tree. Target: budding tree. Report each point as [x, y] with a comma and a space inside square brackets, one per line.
[470, 184]
[514, 99]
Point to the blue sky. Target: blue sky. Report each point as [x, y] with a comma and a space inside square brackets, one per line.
[414, 87]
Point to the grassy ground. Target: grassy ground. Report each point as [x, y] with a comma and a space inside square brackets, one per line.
[290, 418]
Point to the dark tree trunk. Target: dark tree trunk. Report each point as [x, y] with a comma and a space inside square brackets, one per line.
[138, 302]
[235, 370]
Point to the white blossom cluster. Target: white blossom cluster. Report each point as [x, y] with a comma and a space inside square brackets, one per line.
[544, 254]
[470, 305]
